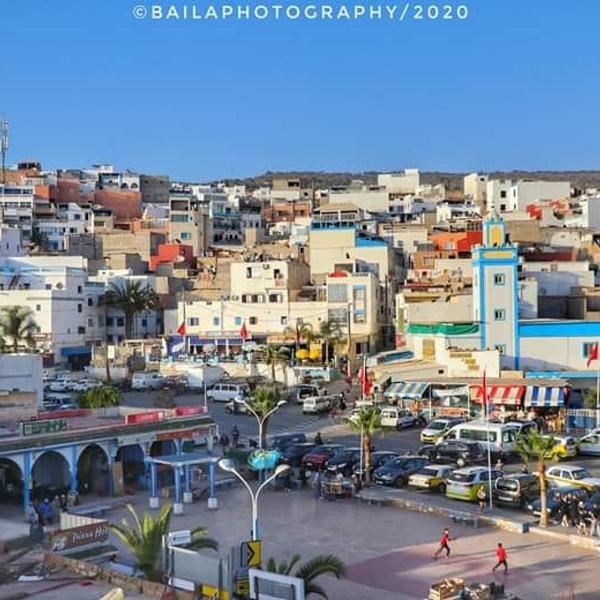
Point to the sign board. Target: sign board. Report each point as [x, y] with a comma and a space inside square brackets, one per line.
[184, 411]
[179, 538]
[242, 587]
[151, 416]
[46, 426]
[250, 554]
[111, 351]
[67, 539]
[272, 586]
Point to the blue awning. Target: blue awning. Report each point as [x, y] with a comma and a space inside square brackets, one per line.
[75, 351]
[411, 389]
[544, 396]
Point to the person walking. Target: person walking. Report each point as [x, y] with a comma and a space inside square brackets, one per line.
[318, 487]
[318, 439]
[481, 496]
[444, 544]
[501, 557]
[235, 436]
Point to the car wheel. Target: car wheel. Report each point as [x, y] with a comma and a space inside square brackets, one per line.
[400, 482]
[461, 462]
[442, 488]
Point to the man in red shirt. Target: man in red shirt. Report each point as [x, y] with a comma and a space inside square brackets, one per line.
[444, 544]
[501, 556]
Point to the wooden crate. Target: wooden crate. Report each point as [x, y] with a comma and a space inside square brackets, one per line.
[447, 589]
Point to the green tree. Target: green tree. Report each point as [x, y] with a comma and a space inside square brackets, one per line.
[144, 538]
[540, 449]
[100, 397]
[18, 326]
[132, 297]
[275, 355]
[262, 401]
[319, 565]
[331, 334]
[366, 422]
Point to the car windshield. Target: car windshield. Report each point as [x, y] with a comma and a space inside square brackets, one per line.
[507, 484]
[579, 474]
[436, 425]
[429, 471]
[462, 477]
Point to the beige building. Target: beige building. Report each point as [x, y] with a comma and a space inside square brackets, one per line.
[475, 188]
[189, 222]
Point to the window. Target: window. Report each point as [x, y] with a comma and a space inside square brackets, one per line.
[501, 348]
[79, 289]
[81, 329]
[337, 292]
[503, 194]
[499, 279]
[90, 302]
[275, 298]
[253, 320]
[249, 272]
[587, 348]
[48, 286]
[120, 322]
[238, 320]
[144, 323]
[216, 320]
[283, 320]
[80, 308]
[90, 322]
[499, 314]
[502, 207]
[109, 321]
[109, 339]
[194, 321]
[38, 307]
[185, 235]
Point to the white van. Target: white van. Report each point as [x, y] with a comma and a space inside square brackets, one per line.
[146, 381]
[500, 437]
[391, 416]
[316, 405]
[226, 392]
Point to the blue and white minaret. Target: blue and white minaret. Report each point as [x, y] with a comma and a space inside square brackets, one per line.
[495, 292]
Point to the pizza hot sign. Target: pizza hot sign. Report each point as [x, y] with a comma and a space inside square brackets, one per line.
[66, 539]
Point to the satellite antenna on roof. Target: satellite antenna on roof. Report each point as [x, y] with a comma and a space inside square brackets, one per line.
[3, 146]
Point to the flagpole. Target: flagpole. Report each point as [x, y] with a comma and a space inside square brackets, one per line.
[364, 377]
[489, 445]
[185, 338]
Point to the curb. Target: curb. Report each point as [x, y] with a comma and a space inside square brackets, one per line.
[580, 541]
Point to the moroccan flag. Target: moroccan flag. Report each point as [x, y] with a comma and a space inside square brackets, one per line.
[592, 354]
[363, 377]
[244, 332]
[181, 328]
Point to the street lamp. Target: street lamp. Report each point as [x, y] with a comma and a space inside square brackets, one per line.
[261, 420]
[228, 465]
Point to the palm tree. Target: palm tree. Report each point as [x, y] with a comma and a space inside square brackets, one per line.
[17, 324]
[331, 334]
[100, 397]
[366, 422]
[274, 355]
[144, 538]
[262, 401]
[132, 298]
[539, 448]
[310, 570]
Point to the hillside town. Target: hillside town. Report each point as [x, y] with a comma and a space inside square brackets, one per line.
[417, 356]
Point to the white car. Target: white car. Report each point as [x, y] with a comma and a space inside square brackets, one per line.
[572, 476]
[399, 418]
[589, 445]
[61, 385]
[83, 385]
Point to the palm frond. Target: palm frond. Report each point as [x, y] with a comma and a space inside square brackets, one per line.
[202, 543]
[314, 589]
[321, 565]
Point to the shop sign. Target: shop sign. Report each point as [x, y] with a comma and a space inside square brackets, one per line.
[144, 417]
[44, 427]
[65, 539]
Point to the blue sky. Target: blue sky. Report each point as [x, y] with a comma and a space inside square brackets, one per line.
[514, 86]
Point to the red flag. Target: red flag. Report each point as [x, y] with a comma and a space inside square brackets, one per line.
[181, 328]
[363, 377]
[593, 353]
[244, 332]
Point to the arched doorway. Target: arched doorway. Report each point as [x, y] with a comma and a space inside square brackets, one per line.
[11, 481]
[92, 471]
[50, 475]
[130, 468]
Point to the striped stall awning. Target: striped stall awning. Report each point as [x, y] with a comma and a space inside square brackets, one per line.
[499, 394]
[409, 389]
[538, 395]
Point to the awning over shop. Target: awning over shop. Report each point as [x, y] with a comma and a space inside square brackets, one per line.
[544, 396]
[75, 351]
[414, 390]
[499, 394]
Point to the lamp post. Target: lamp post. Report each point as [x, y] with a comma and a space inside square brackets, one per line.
[262, 420]
[229, 466]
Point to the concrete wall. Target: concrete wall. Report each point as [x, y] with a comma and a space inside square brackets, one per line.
[452, 309]
[17, 406]
[23, 373]
[552, 353]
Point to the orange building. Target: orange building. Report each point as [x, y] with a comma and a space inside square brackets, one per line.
[124, 204]
[173, 253]
[457, 241]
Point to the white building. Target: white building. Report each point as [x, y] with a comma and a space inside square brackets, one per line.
[11, 241]
[507, 196]
[475, 187]
[16, 208]
[71, 219]
[556, 278]
[374, 199]
[405, 182]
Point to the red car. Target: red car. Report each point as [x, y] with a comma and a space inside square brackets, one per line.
[315, 460]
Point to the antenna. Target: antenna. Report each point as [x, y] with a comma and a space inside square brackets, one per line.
[3, 146]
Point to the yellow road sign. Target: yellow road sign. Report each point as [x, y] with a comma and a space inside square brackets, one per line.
[251, 553]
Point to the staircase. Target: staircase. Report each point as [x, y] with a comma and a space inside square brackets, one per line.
[466, 357]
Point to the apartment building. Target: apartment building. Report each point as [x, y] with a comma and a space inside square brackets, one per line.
[404, 182]
[508, 196]
[189, 221]
[69, 219]
[17, 207]
[475, 188]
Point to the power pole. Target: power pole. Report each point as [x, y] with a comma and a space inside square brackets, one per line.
[3, 146]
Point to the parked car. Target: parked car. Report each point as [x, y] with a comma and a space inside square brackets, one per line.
[342, 461]
[315, 459]
[228, 391]
[589, 445]
[59, 402]
[378, 459]
[294, 453]
[356, 411]
[61, 385]
[553, 497]
[464, 484]
[298, 393]
[391, 416]
[237, 407]
[435, 430]
[146, 381]
[431, 477]
[500, 438]
[565, 445]
[83, 385]
[572, 476]
[282, 441]
[523, 427]
[396, 472]
[517, 489]
[316, 405]
[453, 451]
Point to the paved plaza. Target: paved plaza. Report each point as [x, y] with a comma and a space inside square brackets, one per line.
[388, 551]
